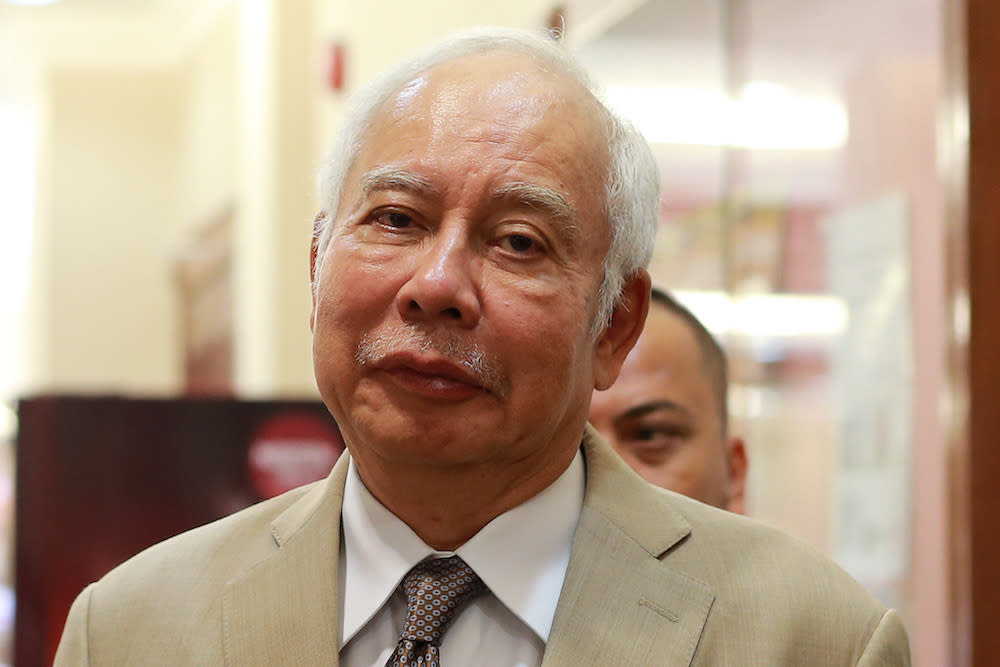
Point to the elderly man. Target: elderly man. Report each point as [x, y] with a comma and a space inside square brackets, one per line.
[478, 272]
[666, 413]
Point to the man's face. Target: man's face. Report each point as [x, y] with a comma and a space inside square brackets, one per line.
[662, 415]
[452, 314]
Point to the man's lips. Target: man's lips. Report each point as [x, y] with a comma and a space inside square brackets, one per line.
[435, 377]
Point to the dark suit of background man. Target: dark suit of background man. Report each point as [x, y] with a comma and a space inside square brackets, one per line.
[666, 414]
[478, 272]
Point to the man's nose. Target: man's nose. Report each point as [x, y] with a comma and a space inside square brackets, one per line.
[443, 285]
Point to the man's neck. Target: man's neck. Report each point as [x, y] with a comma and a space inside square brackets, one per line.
[447, 505]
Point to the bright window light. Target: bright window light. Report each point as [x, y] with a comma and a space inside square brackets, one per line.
[768, 316]
[767, 116]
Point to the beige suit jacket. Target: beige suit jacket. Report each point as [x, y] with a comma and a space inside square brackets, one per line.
[654, 579]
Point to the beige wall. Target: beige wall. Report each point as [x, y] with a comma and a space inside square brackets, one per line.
[110, 212]
[208, 134]
[133, 162]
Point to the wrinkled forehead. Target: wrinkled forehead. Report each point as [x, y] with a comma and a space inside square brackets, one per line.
[513, 91]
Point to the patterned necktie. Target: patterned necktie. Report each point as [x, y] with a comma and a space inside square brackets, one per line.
[435, 590]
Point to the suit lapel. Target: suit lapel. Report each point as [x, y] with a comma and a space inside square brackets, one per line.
[263, 617]
[621, 602]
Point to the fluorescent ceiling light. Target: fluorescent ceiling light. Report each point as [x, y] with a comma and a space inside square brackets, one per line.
[767, 116]
[768, 316]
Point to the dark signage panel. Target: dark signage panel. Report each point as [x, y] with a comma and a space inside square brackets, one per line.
[101, 478]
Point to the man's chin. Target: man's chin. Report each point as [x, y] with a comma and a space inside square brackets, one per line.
[438, 431]
[418, 450]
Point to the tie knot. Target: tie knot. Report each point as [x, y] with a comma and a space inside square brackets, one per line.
[435, 590]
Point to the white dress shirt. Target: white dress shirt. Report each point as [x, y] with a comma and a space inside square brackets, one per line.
[521, 556]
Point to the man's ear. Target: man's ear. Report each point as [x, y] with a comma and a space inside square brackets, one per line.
[618, 337]
[736, 462]
[313, 253]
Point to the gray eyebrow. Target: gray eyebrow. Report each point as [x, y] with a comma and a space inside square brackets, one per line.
[542, 198]
[538, 197]
[392, 178]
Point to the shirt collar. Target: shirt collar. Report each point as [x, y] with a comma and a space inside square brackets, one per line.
[379, 549]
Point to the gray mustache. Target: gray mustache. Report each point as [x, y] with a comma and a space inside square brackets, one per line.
[488, 371]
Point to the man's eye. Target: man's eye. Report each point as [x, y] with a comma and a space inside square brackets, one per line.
[659, 432]
[519, 243]
[654, 445]
[394, 219]
[650, 433]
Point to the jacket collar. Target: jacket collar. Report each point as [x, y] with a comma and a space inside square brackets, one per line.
[621, 602]
[283, 611]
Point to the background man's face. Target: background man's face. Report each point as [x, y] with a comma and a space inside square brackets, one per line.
[452, 317]
[662, 415]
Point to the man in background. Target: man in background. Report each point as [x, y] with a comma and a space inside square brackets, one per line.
[666, 415]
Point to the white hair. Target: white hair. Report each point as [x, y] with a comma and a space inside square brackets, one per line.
[632, 185]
